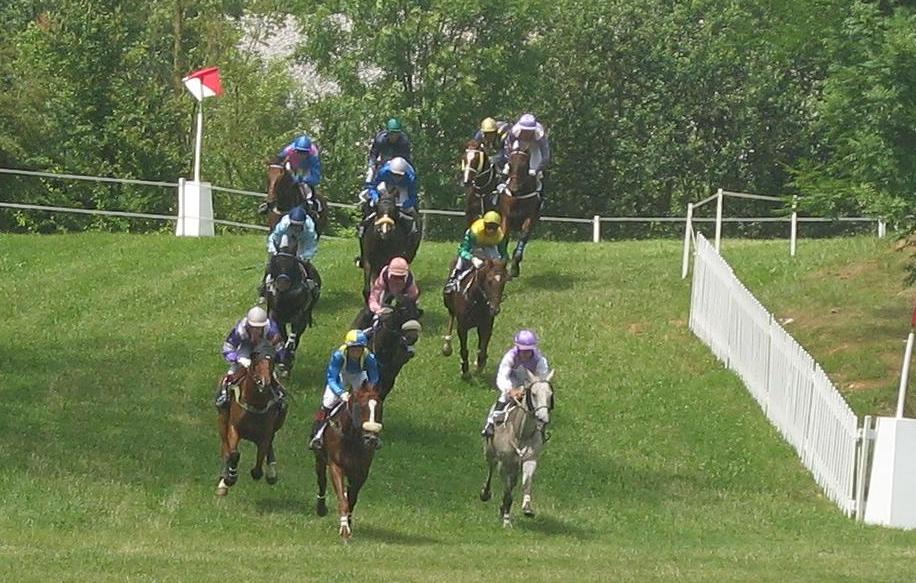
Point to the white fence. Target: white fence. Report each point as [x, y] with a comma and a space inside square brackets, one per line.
[791, 388]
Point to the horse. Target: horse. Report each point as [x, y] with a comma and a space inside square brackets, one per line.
[289, 300]
[520, 204]
[479, 177]
[350, 441]
[283, 194]
[517, 443]
[253, 414]
[477, 308]
[389, 236]
[397, 330]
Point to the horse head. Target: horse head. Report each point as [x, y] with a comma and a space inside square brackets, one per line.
[260, 371]
[519, 178]
[539, 398]
[474, 163]
[285, 270]
[386, 213]
[491, 280]
[365, 407]
[280, 187]
[400, 317]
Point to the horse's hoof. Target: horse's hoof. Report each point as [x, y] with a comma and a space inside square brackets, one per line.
[465, 375]
[529, 512]
[507, 522]
[271, 479]
[321, 509]
[484, 495]
[446, 350]
[223, 488]
[514, 271]
[231, 481]
[257, 473]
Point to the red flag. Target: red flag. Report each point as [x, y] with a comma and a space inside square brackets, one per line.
[204, 83]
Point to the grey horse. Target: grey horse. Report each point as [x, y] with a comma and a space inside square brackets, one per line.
[517, 443]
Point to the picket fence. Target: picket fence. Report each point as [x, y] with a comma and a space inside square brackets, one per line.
[791, 388]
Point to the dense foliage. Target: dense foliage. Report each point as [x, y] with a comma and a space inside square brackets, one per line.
[648, 103]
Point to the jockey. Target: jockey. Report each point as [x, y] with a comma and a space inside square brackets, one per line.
[253, 333]
[492, 137]
[394, 279]
[350, 366]
[295, 230]
[512, 375]
[305, 164]
[397, 175]
[388, 144]
[485, 237]
[528, 134]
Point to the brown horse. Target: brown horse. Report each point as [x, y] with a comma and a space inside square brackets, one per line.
[254, 414]
[283, 194]
[476, 308]
[479, 177]
[386, 234]
[350, 441]
[520, 204]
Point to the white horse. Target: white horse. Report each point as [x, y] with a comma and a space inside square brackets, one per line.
[517, 443]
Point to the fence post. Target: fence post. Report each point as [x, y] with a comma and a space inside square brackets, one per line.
[596, 229]
[719, 196]
[794, 229]
[882, 228]
[862, 467]
[688, 228]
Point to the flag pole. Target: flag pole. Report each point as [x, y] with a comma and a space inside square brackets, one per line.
[198, 141]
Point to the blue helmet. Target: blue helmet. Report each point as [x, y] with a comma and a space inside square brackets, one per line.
[356, 338]
[297, 216]
[303, 143]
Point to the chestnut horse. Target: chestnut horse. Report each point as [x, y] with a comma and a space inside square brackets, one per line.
[479, 177]
[520, 204]
[283, 194]
[475, 308]
[254, 413]
[386, 234]
[350, 441]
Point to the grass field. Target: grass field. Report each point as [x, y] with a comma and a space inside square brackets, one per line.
[661, 466]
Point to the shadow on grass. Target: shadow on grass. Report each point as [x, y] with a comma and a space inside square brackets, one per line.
[392, 537]
[289, 505]
[550, 280]
[545, 524]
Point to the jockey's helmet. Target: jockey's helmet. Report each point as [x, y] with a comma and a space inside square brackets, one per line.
[527, 122]
[488, 125]
[256, 317]
[492, 218]
[303, 143]
[297, 216]
[398, 166]
[526, 340]
[398, 267]
[356, 338]
[394, 126]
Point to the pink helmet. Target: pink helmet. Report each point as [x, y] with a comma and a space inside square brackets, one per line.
[526, 340]
[398, 267]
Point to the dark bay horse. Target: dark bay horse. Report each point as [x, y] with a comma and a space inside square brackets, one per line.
[350, 441]
[289, 300]
[283, 194]
[520, 204]
[254, 414]
[475, 308]
[517, 444]
[393, 338]
[386, 235]
[479, 177]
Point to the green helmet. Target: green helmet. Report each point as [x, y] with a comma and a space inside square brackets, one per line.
[394, 126]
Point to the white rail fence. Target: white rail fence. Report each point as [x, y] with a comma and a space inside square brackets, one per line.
[790, 387]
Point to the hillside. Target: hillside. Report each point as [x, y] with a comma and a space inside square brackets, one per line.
[661, 465]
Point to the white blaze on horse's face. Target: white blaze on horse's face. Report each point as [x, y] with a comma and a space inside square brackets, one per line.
[372, 425]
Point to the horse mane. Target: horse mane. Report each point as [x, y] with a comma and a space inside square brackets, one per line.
[285, 263]
[386, 205]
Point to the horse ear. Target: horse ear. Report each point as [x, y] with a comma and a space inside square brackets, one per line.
[550, 375]
[531, 376]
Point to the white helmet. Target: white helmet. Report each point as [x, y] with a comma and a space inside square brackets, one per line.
[256, 317]
[398, 166]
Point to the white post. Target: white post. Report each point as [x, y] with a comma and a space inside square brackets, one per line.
[179, 224]
[596, 229]
[794, 229]
[904, 374]
[688, 228]
[719, 196]
[882, 229]
[198, 141]
[862, 467]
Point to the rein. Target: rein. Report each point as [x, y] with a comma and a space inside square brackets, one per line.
[249, 408]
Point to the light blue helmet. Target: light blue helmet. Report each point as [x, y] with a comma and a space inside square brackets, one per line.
[297, 216]
[303, 143]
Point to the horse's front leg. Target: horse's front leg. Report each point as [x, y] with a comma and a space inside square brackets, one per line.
[484, 333]
[463, 339]
[232, 456]
[491, 465]
[510, 478]
[271, 471]
[354, 486]
[263, 447]
[223, 488]
[528, 469]
[321, 472]
[343, 505]
[518, 255]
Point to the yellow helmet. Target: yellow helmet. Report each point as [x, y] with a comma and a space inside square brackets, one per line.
[488, 125]
[492, 217]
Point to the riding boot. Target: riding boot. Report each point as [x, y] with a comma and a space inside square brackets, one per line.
[282, 395]
[490, 427]
[222, 394]
[451, 284]
[316, 441]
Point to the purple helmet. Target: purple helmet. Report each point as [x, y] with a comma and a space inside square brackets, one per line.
[526, 340]
[527, 122]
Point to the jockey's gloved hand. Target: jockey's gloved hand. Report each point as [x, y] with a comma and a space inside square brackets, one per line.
[532, 172]
[477, 262]
[345, 396]
[246, 362]
[263, 208]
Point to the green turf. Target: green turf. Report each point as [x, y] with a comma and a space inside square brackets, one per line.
[661, 465]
